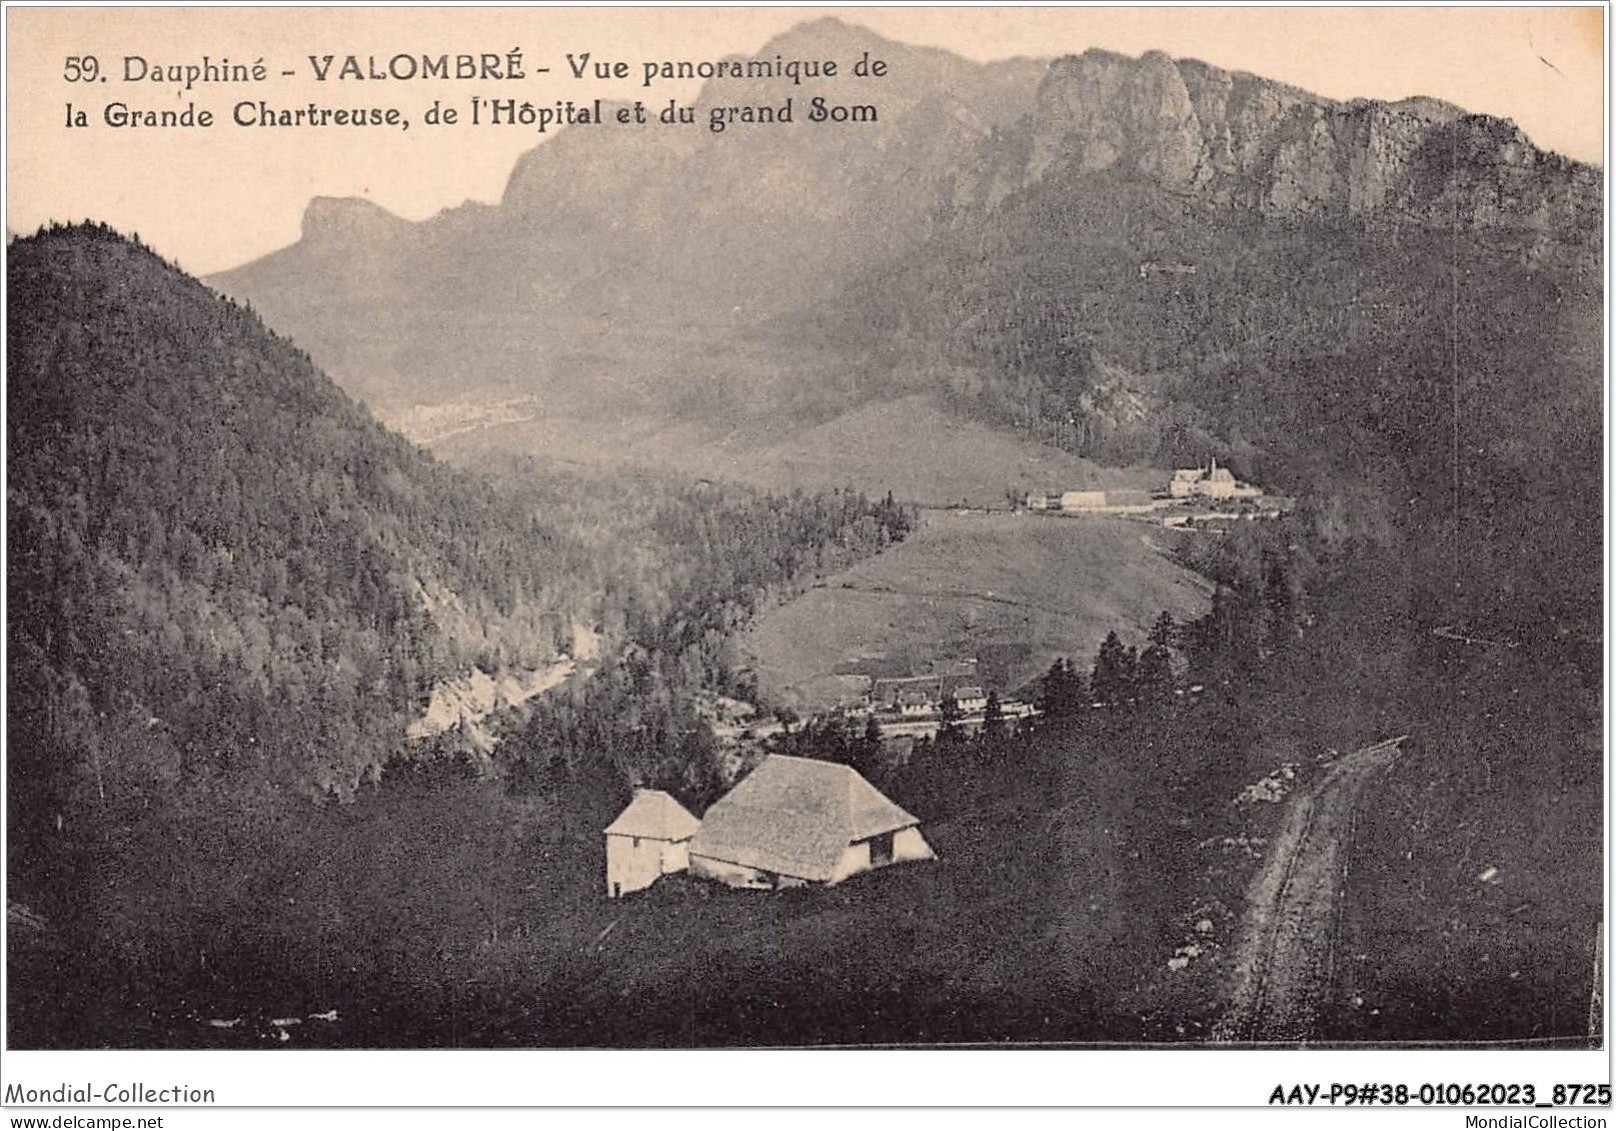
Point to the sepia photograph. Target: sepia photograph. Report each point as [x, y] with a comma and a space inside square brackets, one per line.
[805, 529]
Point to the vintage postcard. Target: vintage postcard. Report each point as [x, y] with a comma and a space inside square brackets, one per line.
[678, 528]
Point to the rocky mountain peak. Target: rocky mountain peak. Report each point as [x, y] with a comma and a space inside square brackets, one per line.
[825, 37]
[339, 218]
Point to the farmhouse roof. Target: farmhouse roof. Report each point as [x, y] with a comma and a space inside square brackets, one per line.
[656, 815]
[795, 817]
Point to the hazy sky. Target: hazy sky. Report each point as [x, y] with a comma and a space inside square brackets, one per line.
[218, 197]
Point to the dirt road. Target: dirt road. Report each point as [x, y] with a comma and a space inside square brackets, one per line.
[1286, 962]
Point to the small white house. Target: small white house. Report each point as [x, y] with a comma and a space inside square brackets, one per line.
[971, 700]
[915, 704]
[650, 839]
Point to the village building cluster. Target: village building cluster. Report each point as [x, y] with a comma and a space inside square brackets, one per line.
[1186, 499]
[923, 697]
[900, 689]
[790, 822]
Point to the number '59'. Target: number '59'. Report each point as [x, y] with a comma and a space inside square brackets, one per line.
[81, 68]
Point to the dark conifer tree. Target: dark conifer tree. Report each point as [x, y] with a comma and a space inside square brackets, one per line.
[948, 730]
[1062, 692]
[1113, 681]
[993, 729]
[1156, 664]
[869, 753]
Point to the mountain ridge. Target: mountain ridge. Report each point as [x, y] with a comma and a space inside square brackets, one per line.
[1092, 72]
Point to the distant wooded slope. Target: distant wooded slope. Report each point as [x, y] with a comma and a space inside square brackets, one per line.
[219, 563]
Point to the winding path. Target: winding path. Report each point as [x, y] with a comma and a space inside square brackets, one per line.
[1286, 962]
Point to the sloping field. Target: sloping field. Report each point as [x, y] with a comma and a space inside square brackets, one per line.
[910, 447]
[921, 453]
[1055, 585]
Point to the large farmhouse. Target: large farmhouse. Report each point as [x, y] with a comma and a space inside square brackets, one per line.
[795, 821]
[649, 839]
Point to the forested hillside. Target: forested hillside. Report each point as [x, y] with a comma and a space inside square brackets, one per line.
[1390, 309]
[1441, 384]
[231, 589]
[218, 561]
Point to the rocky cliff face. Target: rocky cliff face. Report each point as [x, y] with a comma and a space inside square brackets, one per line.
[1240, 141]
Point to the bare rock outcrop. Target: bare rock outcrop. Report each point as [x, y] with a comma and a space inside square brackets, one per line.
[1237, 140]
